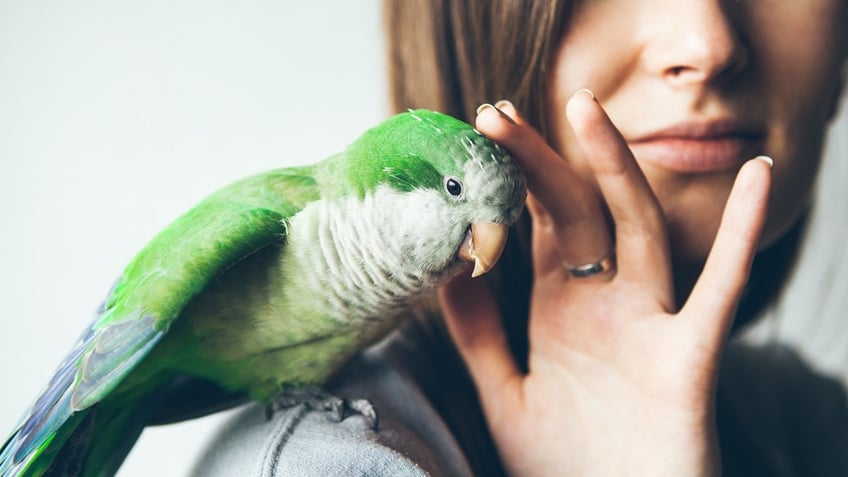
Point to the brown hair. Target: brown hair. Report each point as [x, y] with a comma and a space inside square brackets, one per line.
[454, 55]
[451, 56]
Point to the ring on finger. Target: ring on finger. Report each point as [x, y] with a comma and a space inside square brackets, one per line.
[604, 266]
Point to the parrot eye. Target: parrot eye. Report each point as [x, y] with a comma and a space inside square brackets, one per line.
[453, 186]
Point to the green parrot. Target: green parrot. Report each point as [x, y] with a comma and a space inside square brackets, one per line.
[270, 284]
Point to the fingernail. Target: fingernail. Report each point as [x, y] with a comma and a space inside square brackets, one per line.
[584, 91]
[504, 104]
[766, 159]
[484, 107]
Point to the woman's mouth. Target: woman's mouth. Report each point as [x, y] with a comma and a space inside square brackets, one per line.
[699, 146]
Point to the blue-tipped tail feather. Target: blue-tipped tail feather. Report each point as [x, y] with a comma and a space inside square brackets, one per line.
[96, 365]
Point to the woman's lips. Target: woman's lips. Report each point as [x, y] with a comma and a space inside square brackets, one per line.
[699, 147]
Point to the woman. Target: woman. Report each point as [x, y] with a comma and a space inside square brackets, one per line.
[597, 348]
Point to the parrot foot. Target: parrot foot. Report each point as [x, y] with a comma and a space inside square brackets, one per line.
[314, 397]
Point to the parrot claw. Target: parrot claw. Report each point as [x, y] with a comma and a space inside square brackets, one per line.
[315, 398]
[364, 408]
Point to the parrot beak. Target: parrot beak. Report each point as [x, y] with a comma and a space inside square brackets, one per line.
[483, 245]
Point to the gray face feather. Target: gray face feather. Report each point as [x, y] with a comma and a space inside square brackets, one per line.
[371, 257]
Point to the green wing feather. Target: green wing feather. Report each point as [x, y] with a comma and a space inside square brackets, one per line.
[173, 268]
[180, 262]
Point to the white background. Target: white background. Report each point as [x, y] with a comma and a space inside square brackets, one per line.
[117, 116]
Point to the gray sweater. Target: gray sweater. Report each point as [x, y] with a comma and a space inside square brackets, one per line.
[776, 418]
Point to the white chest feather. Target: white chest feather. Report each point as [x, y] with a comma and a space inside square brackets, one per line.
[368, 259]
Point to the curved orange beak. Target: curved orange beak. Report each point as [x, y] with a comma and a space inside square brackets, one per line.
[484, 245]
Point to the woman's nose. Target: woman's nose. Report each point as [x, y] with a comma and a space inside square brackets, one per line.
[691, 42]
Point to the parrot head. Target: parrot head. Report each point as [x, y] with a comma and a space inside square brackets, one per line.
[456, 191]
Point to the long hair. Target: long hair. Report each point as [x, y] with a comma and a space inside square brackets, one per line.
[451, 56]
[454, 55]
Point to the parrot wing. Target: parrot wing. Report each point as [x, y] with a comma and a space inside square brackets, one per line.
[154, 288]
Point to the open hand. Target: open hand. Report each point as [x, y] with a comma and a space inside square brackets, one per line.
[620, 382]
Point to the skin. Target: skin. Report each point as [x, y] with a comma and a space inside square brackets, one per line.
[623, 367]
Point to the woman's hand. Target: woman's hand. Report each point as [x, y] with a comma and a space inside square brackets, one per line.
[619, 382]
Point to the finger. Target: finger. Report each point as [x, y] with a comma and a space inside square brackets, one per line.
[474, 323]
[640, 234]
[717, 291]
[568, 222]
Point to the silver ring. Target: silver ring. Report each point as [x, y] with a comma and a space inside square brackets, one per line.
[601, 267]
